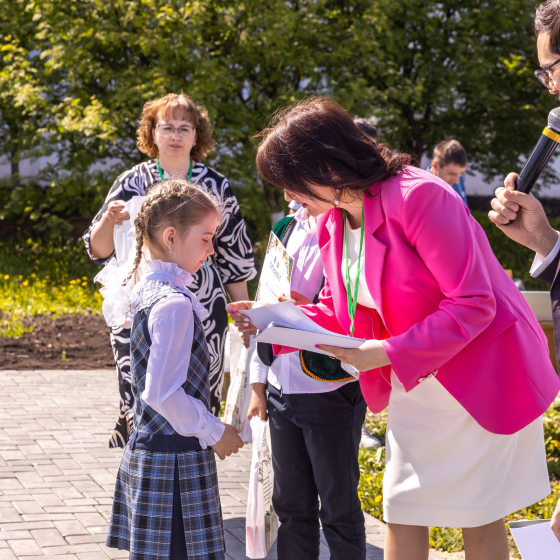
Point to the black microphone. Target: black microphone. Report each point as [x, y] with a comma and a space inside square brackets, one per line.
[543, 151]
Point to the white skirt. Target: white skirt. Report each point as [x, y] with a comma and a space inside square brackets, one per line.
[445, 470]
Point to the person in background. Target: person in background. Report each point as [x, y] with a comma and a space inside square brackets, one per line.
[521, 216]
[368, 441]
[176, 135]
[315, 410]
[450, 163]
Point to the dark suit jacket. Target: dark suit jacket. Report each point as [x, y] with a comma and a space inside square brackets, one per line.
[551, 275]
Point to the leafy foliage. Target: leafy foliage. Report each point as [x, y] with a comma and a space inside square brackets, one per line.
[44, 278]
[510, 254]
[77, 73]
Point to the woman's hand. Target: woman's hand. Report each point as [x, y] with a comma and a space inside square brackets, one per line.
[229, 443]
[555, 521]
[102, 242]
[116, 212]
[296, 298]
[258, 405]
[241, 322]
[370, 355]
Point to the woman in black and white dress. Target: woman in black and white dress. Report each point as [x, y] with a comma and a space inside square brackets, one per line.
[176, 134]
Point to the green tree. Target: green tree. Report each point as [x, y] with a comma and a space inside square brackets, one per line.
[423, 69]
[22, 85]
[461, 69]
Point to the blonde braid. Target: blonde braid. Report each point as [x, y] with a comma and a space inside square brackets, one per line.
[140, 226]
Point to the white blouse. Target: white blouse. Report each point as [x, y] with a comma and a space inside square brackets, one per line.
[171, 328]
[353, 238]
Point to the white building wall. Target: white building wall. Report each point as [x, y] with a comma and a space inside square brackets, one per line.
[476, 184]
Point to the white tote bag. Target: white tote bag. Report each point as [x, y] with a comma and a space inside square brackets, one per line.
[261, 527]
[239, 391]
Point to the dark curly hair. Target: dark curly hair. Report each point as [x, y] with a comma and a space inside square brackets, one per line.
[179, 106]
[316, 142]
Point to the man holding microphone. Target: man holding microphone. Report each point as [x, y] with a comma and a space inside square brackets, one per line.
[521, 216]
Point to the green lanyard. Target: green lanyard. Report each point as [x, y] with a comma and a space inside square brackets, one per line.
[353, 299]
[161, 172]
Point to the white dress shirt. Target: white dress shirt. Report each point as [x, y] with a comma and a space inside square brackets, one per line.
[171, 328]
[540, 264]
[307, 276]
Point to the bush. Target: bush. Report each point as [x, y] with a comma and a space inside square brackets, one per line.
[44, 278]
[510, 254]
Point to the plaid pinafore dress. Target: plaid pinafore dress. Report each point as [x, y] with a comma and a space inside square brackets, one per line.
[142, 516]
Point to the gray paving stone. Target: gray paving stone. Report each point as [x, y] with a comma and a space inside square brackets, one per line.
[57, 474]
[28, 507]
[92, 556]
[27, 547]
[73, 527]
[48, 537]
[9, 514]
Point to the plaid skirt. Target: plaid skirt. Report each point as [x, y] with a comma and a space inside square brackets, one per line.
[142, 516]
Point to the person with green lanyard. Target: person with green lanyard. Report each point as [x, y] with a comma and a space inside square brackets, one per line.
[450, 345]
[176, 134]
[316, 412]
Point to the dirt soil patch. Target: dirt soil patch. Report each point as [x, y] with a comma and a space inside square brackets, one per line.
[84, 339]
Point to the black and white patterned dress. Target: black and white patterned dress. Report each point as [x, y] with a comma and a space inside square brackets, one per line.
[232, 262]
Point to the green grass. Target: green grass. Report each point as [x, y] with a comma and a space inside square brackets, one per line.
[372, 467]
[44, 278]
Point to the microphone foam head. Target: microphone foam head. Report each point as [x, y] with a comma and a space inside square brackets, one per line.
[554, 119]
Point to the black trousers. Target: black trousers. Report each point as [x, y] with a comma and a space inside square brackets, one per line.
[315, 440]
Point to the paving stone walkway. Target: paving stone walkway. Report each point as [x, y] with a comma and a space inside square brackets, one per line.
[57, 474]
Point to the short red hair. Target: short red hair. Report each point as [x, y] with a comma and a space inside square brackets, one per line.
[179, 106]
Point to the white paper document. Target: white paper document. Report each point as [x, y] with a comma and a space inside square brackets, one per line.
[286, 325]
[276, 273]
[535, 540]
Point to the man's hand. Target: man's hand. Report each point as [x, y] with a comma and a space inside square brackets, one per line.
[370, 355]
[116, 212]
[258, 404]
[229, 443]
[525, 216]
[296, 298]
[555, 521]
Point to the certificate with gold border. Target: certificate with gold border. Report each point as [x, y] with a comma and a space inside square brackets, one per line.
[276, 274]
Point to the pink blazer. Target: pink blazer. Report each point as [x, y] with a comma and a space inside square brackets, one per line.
[446, 307]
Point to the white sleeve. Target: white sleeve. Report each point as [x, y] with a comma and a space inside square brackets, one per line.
[258, 372]
[171, 328]
[540, 264]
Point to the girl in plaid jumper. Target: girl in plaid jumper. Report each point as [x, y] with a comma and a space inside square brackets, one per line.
[167, 504]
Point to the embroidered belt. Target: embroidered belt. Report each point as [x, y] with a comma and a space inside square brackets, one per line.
[163, 443]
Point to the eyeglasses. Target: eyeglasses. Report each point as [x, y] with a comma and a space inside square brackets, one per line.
[544, 75]
[168, 130]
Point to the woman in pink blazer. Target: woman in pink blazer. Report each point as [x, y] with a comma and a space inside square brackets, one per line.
[451, 345]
